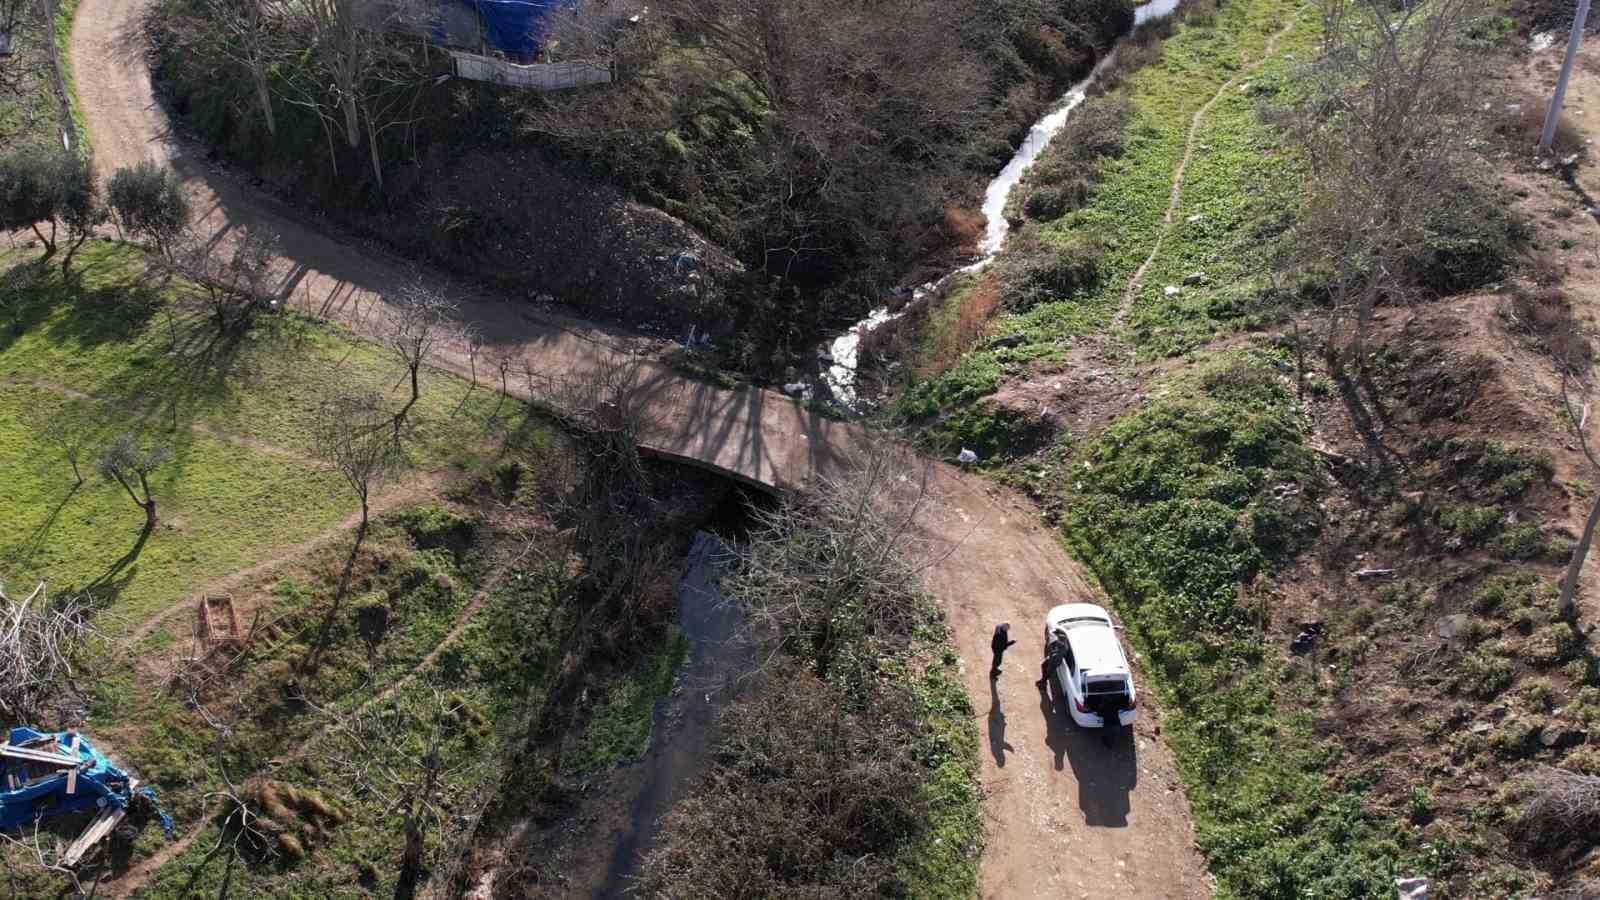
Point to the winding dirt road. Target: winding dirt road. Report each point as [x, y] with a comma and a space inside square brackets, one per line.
[1066, 817]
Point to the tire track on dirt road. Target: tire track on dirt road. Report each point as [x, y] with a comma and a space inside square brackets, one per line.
[1175, 196]
[1000, 564]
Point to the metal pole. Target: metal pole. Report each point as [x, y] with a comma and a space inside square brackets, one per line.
[1554, 114]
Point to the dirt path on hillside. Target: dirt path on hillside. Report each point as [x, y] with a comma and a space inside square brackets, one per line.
[416, 487]
[1175, 198]
[1121, 810]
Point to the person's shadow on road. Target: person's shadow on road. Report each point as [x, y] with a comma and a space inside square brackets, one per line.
[1055, 722]
[997, 727]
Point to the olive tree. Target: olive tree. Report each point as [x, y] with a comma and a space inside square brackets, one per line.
[149, 201]
[33, 187]
[129, 464]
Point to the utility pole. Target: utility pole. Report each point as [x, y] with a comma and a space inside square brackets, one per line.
[1554, 114]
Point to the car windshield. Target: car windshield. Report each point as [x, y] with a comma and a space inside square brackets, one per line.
[1081, 620]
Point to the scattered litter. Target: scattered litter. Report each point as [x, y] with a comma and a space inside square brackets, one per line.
[1010, 340]
[1170, 290]
[1542, 41]
[966, 457]
[1364, 574]
[1411, 888]
[794, 389]
[1194, 278]
[1310, 632]
[53, 773]
[1194, 218]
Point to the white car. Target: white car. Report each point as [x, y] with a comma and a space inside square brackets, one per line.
[1088, 667]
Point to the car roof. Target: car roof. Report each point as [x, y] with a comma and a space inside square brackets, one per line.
[1094, 642]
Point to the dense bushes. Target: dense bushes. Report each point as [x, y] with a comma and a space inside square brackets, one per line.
[1063, 177]
[823, 142]
[1036, 269]
[850, 770]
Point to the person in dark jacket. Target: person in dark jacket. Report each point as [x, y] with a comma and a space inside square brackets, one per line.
[1002, 640]
[1053, 655]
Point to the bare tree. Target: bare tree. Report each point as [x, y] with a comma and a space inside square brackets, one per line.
[361, 83]
[248, 36]
[67, 432]
[1383, 125]
[236, 278]
[836, 558]
[419, 323]
[1578, 423]
[352, 435]
[402, 758]
[126, 463]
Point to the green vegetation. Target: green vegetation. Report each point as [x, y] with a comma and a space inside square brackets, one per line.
[493, 678]
[619, 729]
[115, 351]
[1066, 277]
[120, 348]
[30, 115]
[1178, 505]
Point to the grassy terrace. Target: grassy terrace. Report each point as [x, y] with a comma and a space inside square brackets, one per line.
[111, 354]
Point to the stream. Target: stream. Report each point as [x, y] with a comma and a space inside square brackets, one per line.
[843, 356]
[683, 723]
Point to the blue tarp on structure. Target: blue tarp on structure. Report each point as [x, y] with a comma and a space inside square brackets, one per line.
[29, 791]
[513, 27]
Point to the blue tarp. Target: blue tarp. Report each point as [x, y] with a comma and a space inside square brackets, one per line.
[99, 783]
[513, 27]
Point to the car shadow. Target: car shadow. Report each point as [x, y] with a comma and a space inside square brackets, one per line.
[1106, 775]
[997, 727]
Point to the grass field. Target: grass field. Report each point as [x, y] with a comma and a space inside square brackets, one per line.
[114, 351]
[111, 354]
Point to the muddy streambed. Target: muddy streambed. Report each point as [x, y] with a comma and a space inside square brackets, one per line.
[683, 727]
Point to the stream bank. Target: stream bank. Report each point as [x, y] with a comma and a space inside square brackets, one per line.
[838, 363]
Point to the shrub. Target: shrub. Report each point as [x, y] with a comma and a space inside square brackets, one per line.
[1036, 270]
[1470, 523]
[148, 201]
[1545, 314]
[1558, 806]
[34, 187]
[1483, 675]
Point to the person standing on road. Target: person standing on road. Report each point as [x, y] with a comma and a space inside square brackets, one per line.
[1053, 655]
[1002, 640]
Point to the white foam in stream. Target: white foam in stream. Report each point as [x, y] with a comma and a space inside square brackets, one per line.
[840, 375]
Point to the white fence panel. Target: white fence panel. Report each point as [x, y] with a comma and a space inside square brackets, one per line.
[534, 77]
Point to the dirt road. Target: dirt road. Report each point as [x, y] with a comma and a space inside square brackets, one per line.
[1066, 817]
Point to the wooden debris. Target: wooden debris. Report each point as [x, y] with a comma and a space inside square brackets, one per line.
[1364, 574]
[103, 825]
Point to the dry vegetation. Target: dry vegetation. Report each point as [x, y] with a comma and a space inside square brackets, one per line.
[849, 767]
